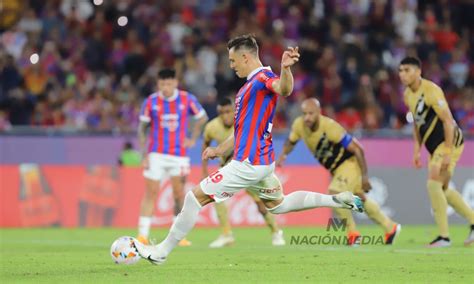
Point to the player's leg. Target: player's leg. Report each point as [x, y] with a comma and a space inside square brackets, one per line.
[182, 225]
[455, 199]
[152, 175]
[348, 177]
[178, 168]
[218, 187]
[268, 217]
[391, 229]
[226, 237]
[222, 216]
[270, 191]
[277, 234]
[186, 219]
[147, 207]
[438, 199]
[342, 180]
[177, 184]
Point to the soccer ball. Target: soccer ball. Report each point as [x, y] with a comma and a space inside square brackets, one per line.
[123, 251]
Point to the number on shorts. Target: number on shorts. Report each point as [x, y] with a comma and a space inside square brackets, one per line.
[216, 177]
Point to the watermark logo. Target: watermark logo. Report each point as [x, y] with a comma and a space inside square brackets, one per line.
[336, 225]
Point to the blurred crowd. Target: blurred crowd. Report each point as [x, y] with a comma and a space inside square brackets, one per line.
[88, 64]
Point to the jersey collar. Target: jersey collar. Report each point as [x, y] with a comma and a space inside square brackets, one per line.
[170, 99]
[255, 71]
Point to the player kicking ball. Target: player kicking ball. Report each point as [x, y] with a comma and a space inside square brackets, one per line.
[219, 129]
[252, 166]
[442, 137]
[343, 156]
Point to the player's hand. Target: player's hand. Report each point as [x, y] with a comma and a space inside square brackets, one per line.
[189, 143]
[145, 162]
[281, 160]
[290, 57]
[445, 163]
[417, 159]
[210, 153]
[366, 186]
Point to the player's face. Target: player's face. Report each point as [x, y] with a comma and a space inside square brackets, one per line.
[167, 86]
[227, 114]
[408, 74]
[310, 115]
[237, 62]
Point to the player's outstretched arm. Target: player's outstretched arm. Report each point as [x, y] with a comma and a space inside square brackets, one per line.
[356, 148]
[284, 85]
[224, 147]
[142, 128]
[204, 163]
[188, 143]
[449, 126]
[417, 148]
[287, 149]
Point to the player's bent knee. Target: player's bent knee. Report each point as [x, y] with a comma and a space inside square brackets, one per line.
[201, 197]
[274, 206]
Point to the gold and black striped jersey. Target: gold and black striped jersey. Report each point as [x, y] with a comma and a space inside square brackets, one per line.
[215, 130]
[424, 104]
[324, 143]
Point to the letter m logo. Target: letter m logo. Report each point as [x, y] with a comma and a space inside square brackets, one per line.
[336, 224]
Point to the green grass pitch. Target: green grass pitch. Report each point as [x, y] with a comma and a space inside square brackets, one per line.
[82, 255]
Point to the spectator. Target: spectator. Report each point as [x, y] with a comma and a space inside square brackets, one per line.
[20, 107]
[129, 156]
[93, 74]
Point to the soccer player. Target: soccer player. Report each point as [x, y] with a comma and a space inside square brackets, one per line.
[167, 112]
[343, 156]
[442, 137]
[252, 166]
[219, 129]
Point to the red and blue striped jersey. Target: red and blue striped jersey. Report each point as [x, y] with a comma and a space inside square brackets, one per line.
[254, 110]
[169, 120]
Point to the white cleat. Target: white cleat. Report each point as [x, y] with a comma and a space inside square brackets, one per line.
[350, 201]
[470, 238]
[222, 241]
[150, 253]
[440, 242]
[277, 239]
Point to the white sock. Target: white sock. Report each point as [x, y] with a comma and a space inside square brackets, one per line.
[302, 200]
[144, 224]
[183, 223]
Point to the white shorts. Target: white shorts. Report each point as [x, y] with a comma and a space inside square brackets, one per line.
[235, 176]
[162, 166]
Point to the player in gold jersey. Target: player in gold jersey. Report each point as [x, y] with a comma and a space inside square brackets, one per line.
[343, 156]
[219, 129]
[437, 130]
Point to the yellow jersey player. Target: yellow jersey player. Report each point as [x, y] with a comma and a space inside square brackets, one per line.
[343, 156]
[219, 129]
[437, 130]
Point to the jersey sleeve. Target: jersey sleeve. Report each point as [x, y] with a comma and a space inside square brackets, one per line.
[195, 108]
[295, 132]
[145, 111]
[268, 78]
[405, 100]
[337, 134]
[436, 99]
